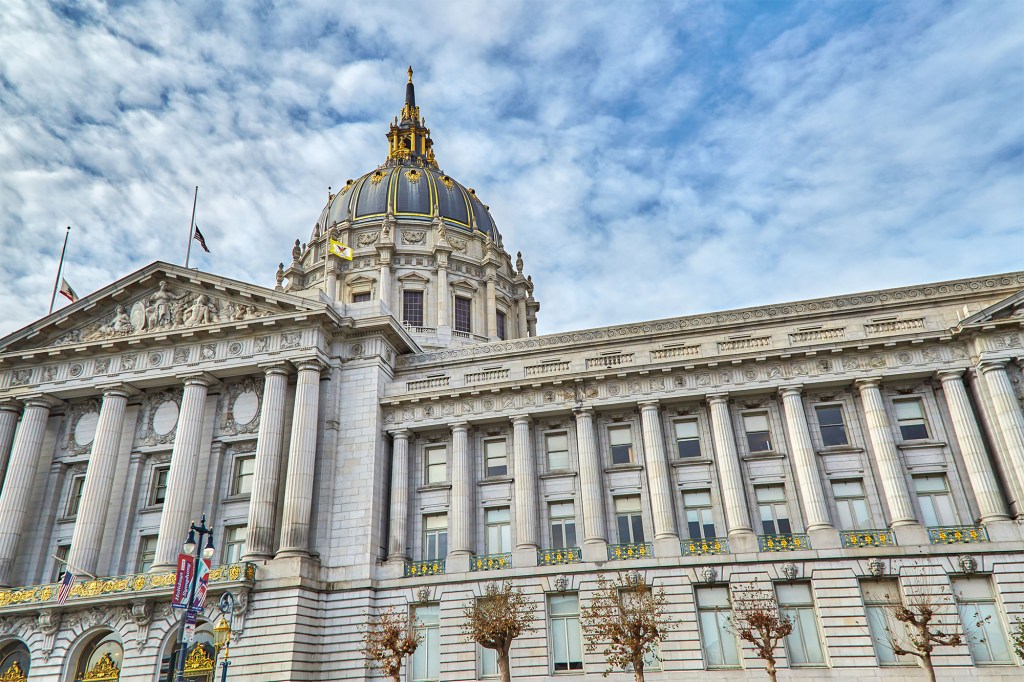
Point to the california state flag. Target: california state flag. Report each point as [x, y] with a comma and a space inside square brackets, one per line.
[66, 290]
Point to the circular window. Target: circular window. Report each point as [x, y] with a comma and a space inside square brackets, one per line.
[246, 405]
[165, 418]
[85, 429]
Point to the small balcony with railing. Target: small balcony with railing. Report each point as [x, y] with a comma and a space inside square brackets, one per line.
[414, 569]
[957, 535]
[878, 537]
[705, 546]
[631, 550]
[490, 562]
[559, 556]
[783, 542]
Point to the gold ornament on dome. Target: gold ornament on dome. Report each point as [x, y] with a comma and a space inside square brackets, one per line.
[13, 674]
[198, 660]
[105, 670]
[377, 177]
[413, 175]
[448, 182]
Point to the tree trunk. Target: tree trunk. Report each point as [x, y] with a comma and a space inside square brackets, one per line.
[397, 676]
[638, 671]
[926, 663]
[504, 669]
[770, 669]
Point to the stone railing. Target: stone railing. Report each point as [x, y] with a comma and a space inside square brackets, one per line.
[490, 562]
[868, 538]
[461, 335]
[957, 535]
[121, 584]
[790, 542]
[818, 335]
[894, 326]
[677, 352]
[423, 384]
[483, 377]
[421, 330]
[555, 557]
[547, 368]
[633, 550]
[705, 546]
[610, 360]
[745, 344]
[418, 568]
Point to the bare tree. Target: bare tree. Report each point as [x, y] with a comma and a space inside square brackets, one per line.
[388, 639]
[495, 620]
[919, 613]
[757, 620]
[626, 620]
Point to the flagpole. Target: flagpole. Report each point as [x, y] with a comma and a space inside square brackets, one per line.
[73, 569]
[56, 282]
[191, 226]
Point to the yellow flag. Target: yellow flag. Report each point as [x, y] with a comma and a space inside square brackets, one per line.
[340, 250]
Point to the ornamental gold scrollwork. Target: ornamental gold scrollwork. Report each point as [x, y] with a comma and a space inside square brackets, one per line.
[198, 660]
[105, 670]
[14, 674]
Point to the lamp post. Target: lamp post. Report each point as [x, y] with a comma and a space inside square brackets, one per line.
[222, 632]
[193, 548]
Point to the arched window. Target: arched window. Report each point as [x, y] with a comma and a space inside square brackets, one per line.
[100, 660]
[200, 657]
[14, 662]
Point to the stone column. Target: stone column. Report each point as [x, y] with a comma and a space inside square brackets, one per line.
[99, 481]
[595, 537]
[461, 510]
[385, 281]
[887, 458]
[659, 481]
[17, 492]
[442, 297]
[261, 536]
[181, 478]
[298, 490]
[1008, 415]
[9, 411]
[492, 303]
[399, 496]
[521, 317]
[525, 491]
[741, 535]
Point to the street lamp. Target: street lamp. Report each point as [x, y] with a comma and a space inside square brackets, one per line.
[190, 547]
[222, 632]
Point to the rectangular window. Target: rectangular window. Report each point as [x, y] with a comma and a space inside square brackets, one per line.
[495, 458]
[935, 501]
[234, 543]
[147, 552]
[563, 525]
[699, 521]
[621, 440]
[499, 530]
[774, 512]
[60, 562]
[687, 438]
[852, 505]
[412, 308]
[982, 621]
[488, 661]
[910, 417]
[75, 495]
[158, 486]
[629, 519]
[804, 644]
[361, 297]
[831, 426]
[436, 464]
[556, 445]
[564, 629]
[463, 314]
[426, 661]
[241, 479]
[435, 537]
[759, 438]
[879, 598]
[716, 635]
[499, 323]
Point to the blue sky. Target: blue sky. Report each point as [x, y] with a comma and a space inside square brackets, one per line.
[650, 159]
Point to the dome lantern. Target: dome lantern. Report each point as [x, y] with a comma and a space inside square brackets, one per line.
[408, 138]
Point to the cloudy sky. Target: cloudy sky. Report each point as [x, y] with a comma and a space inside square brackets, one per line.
[650, 159]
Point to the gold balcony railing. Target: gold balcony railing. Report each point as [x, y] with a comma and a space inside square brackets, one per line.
[632, 550]
[868, 538]
[562, 555]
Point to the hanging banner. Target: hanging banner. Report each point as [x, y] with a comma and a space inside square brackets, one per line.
[202, 582]
[182, 581]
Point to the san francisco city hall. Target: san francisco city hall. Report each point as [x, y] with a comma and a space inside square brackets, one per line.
[391, 430]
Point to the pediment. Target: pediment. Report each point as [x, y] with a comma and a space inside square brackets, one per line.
[158, 300]
[463, 284]
[1009, 309]
[357, 280]
[413, 277]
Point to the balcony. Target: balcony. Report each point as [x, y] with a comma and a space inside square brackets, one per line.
[705, 546]
[957, 535]
[419, 568]
[633, 550]
[791, 542]
[868, 538]
[557, 557]
[490, 562]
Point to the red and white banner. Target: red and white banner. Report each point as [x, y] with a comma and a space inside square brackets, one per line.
[201, 583]
[182, 581]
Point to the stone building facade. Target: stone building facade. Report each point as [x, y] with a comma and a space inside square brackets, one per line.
[391, 430]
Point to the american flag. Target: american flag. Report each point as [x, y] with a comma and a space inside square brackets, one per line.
[66, 583]
[198, 236]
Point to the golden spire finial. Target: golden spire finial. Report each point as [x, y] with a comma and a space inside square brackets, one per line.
[410, 74]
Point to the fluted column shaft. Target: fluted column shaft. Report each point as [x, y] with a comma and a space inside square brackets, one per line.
[442, 298]
[659, 482]
[804, 463]
[460, 521]
[399, 496]
[983, 480]
[9, 412]
[492, 302]
[181, 478]
[525, 484]
[728, 464]
[385, 286]
[99, 482]
[14, 500]
[1008, 413]
[260, 536]
[298, 490]
[887, 457]
[591, 478]
[521, 318]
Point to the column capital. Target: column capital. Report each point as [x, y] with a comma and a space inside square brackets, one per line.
[118, 389]
[41, 400]
[946, 375]
[309, 364]
[717, 398]
[649, 404]
[276, 367]
[583, 410]
[986, 366]
[462, 426]
[10, 405]
[517, 419]
[402, 434]
[869, 382]
[791, 389]
[198, 379]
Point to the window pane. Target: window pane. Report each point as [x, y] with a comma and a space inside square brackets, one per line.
[755, 422]
[930, 484]
[412, 308]
[759, 442]
[798, 594]
[620, 438]
[709, 597]
[463, 314]
[436, 522]
[499, 320]
[620, 435]
[497, 459]
[361, 297]
[711, 637]
[562, 510]
[913, 431]
[701, 498]
[770, 493]
[564, 605]
[573, 636]
[638, 528]
[813, 654]
[627, 504]
[908, 409]
[559, 645]
[502, 515]
[557, 448]
[686, 429]
[687, 438]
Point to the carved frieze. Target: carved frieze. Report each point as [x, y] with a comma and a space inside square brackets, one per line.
[80, 424]
[243, 400]
[159, 418]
